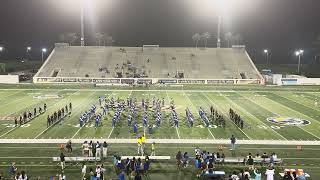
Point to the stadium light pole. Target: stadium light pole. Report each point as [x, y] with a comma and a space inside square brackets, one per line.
[299, 54]
[43, 51]
[266, 52]
[28, 51]
[82, 23]
[219, 32]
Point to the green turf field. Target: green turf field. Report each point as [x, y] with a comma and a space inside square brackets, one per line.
[254, 105]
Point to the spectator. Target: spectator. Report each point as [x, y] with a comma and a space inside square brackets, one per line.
[94, 149]
[234, 176]
[257, 174]
[62, 160]
[105, 149]
[23, 176]
[179, 159]
[62, 176]
[98, 172]
[84, 170]
[264, 155]
[102, 172]
[91, 173]
[153, 152]
[246, 174]
[16, 177]
[233, 143]
[198, 166]
[122, 176]
[287, 176]
[210, 166]
[90, 149]
[185, 160]
[146, 166]
[85, 148]
[223, 157]
[98, 149]
[12, 169]
[270, 173]
[250, 162]
[294, 175]
[69, 146]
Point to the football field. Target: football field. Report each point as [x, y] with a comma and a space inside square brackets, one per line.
[269, 113]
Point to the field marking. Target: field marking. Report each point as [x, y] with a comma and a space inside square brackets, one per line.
[289, 110]
[187, 97]
[171, 115]
[28, 106]
[178, 133]
[248, 113]
[301, 105]
[110, 133]
[226, 115]
[8, 131]
[167, 141]
[309, 107]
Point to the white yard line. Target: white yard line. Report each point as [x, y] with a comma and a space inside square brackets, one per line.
[110, 133]
[187, 97]
[298, 102]
[249, 114]
[165, 141]
[178, 133]
[8, 132]
[170, 114]
[226, 115]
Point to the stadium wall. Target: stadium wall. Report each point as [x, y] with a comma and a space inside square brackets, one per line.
[9, 79]
[121, 81]
[299, 81]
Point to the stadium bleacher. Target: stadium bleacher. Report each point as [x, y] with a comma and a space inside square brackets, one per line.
[136, 62]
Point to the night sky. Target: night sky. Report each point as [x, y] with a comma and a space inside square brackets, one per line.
[279, 25]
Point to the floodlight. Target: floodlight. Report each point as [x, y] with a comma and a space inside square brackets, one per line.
[301, 51]
[297, 53]
[1, 48]
[28, 48]
[265, 51]
[44, 50]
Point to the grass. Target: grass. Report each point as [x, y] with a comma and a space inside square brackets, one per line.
[254, 103]
[254, 106]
